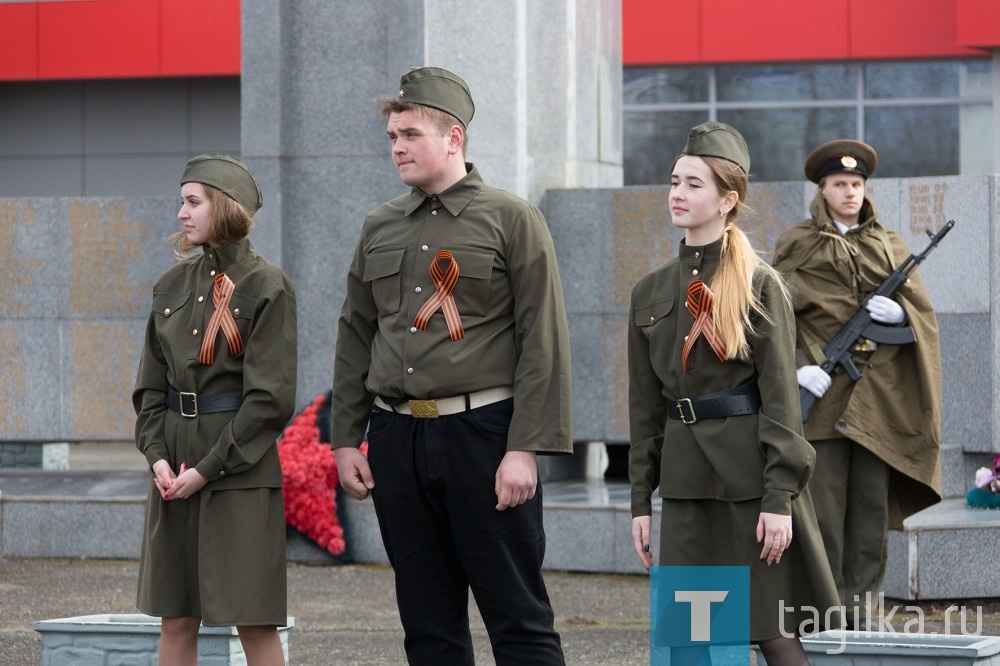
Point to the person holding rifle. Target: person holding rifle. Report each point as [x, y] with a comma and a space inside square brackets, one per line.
[877, 437]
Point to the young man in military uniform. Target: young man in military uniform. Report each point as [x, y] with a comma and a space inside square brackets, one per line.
[877, 439]
[453, 350]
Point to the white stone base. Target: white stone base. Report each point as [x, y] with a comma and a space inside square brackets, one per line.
[873, 648]
[95, 640]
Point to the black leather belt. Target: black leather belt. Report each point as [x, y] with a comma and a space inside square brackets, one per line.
[744, 399]
[191, 405]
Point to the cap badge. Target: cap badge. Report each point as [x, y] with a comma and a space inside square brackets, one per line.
[848, 162]
[401, 92]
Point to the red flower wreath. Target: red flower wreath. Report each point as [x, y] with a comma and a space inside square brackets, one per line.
[310, 479]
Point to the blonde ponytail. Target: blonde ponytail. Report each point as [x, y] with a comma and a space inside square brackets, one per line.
[735, 299]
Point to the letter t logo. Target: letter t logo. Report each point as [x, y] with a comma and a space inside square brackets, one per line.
[701, 606]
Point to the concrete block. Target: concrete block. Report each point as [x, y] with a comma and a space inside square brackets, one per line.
[875, 648]
[925, 550]
[134, 639]
[72, 529]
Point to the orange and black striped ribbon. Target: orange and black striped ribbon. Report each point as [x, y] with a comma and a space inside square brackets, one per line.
[444, 283]
[699, 303]
[221, 319]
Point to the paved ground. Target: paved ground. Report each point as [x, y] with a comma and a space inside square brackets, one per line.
[343, 615]
[347, 614]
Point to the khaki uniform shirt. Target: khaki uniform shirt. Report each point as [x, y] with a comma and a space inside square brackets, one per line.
[894, 410]
[736, 458]
[230, 449]
[509, 298]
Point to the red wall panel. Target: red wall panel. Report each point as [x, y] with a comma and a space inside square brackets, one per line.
[905, 29]
[18, 42]
[658, 31]
[721, 31]
[119, 38]
[200, 37]
[774, 30]
[104, 38]
[978, 23]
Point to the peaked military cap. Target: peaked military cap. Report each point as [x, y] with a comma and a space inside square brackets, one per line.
[439, 89]
[841, 156]
[228, 174]
[713, 139]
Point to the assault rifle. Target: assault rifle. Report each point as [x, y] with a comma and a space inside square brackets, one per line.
[861, 326]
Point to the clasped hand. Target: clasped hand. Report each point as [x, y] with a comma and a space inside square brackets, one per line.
[182, 485]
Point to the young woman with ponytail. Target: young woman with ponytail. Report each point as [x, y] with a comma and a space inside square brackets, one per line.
[714, 409]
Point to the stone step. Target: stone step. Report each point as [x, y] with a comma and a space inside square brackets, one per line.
[948, 551]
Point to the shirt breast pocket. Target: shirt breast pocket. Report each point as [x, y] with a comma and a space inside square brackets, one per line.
[242, 307]
[383, 271]
[475, 270]
[171, 315]
[647, 316]
[167, 307]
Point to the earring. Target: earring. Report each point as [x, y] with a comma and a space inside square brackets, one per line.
[722, 214]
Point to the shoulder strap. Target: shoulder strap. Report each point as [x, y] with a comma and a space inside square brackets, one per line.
[886, 243]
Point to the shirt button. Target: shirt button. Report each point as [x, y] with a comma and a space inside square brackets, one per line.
[409, 371]
[201, 298]
[424, 248]
[697, 254]
[417, 289]
[694, 272]
[194, 332]
[652, 319]
[413, 329]
[434, 212]
[211, 272]
[166, 311]
[236, 311]
[222, 472]
[685, 337]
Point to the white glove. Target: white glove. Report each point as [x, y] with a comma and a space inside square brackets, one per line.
[813, 379]
[885, 310]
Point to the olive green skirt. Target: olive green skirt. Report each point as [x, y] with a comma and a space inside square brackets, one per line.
[219, 556]
[708, 532]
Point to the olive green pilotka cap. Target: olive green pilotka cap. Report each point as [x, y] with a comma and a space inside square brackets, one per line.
[439, 89]
[227, 174]
[714, 139]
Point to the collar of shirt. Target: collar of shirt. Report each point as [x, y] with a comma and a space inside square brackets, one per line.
[455, 198]
[227, 255]
[697, 254]
[843, 228]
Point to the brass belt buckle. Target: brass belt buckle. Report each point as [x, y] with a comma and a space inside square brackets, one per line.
[424, 409]
[185, 400]
[690, 408]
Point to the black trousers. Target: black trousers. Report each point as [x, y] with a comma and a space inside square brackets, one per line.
[435, 501]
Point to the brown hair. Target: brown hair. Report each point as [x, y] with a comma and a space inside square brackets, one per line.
[229, 222]
[442, 120]
[733, 282]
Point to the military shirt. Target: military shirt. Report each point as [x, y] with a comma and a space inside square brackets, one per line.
[508, 295]
[230, 449]
[735, 458]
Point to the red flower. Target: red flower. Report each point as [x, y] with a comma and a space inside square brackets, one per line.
[309, 478]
